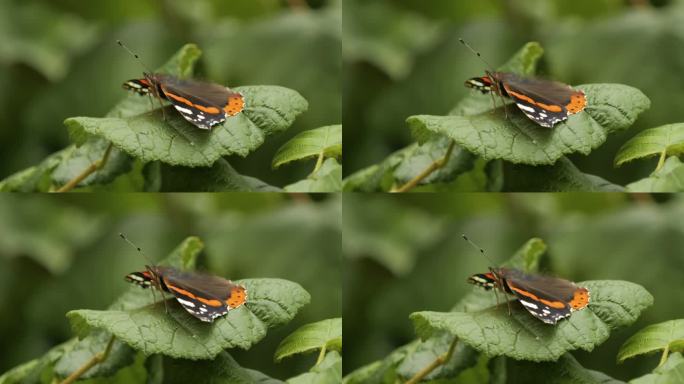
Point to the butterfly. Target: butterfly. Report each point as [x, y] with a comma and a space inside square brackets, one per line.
[204, 296]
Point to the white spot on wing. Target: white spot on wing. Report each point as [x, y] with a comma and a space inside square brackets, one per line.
[186, 303]
[529, 305]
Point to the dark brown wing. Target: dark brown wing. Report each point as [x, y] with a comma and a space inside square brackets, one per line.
[543, 91]
[545, 287]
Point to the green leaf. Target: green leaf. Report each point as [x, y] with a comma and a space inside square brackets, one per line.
[75, 162]
[326, 179]
[564, 371]
[667, 335]
[669, 178]
[407, 163]
[670, 372]
[610, 107]
[520, 336]
[326, 140]
[563, 176]
[311, 337]
[328, 371]
[667, 138]
[221, 176]
[222, 370]
[33, 371]
[429, 350]
[74, 358]
[268, 110]
[143, 324]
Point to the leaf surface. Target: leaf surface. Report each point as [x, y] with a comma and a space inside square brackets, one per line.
[312, 337]
[667, 138]
[328, 371]
[326, 140]
[670, 178]
[656, 337]
[328, 178]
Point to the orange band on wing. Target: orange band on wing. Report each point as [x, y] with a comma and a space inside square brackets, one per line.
[552, 304]
[580, 299]
[577, 103]
[211, 302]
[236, 104]
[238, 296]
[211, 110]
[550, 108]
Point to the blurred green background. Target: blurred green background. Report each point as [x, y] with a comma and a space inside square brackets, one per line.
[403, 58]
[405, 253]
[59, 253]
[59, 58]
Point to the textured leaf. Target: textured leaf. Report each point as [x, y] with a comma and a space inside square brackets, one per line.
[222, 370]
[327, 179]
[220, 177]
[328, 371]
[268, 110]
[669, 373]
[667, 138]
[563, 176]
[312, 337]
[564, 371]
[143, 324]
[32, 371]
[120, 356]
[75, 162]
[670, 178]
[520, 336]
[429, 350]
[610, 107]
[667, 335]
[326, 140]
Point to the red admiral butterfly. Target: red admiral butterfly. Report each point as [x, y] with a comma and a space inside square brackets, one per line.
[545, 102]
[202, 104]
[547, 298]
[204, 296]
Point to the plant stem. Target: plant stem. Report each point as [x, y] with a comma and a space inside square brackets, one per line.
[98, 358]
[436, 363]
[87, 172]
[435, 165]
[319, 162]
[663, 358]
[321, 355]
[661, 161]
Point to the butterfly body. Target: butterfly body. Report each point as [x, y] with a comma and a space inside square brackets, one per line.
[547, 298]
[202, 104]
[543, 101]
[204, 296]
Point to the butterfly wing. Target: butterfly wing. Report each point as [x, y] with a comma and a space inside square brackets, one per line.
[544, 102]
[205, 296]
[202, 104]
[547, 298]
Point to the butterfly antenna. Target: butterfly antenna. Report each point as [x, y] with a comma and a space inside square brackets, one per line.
[478, 248]
[121, 235]
[491, 68]
[136, 57]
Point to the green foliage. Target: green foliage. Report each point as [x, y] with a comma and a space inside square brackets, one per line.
[144, 325]
[324, 334]
[669, 178]
[667, 336]
[328, 371]
[222, 369]
[670, 372]
[327, 178]
[667, 140]
[324, 141]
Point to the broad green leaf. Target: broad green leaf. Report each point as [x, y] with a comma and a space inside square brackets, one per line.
[38, 177]
[669, 373]
[311, 337]
[137, 320]
[610, 107]
[268, 110]
[406, 163]
[520, 336]
[326, 140]
[83, 350]
[328, 371]
[385, 36]
[75, 162]
[221, 176]
[563, 176]
[667, 335]
[326, 179]
[564, 371]
[429, 350]
[667, 138]
[222, 370]
[670, 178]
[33, 371]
